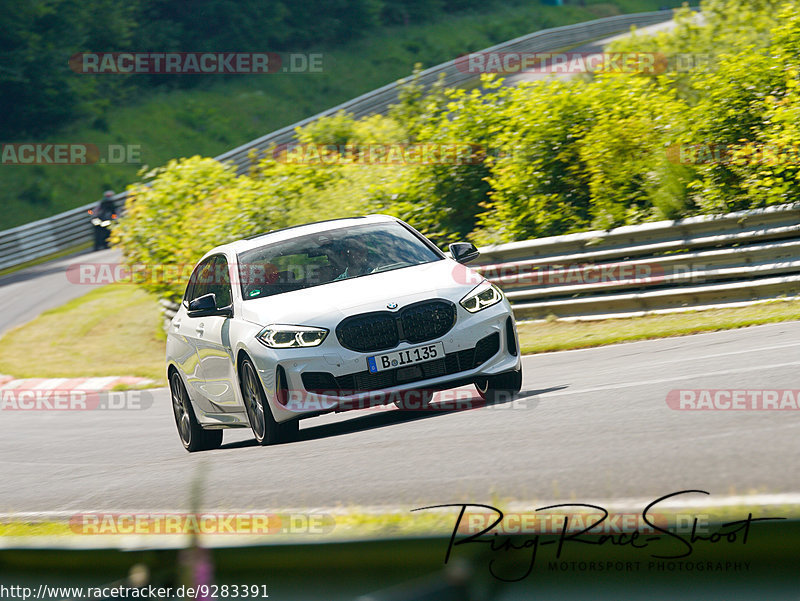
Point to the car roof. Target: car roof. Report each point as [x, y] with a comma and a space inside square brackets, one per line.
[295, 231]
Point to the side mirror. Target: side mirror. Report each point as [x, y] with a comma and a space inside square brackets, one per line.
[464, 252]
[206, 306]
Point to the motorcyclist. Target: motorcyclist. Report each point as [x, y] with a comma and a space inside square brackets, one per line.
[102, 214]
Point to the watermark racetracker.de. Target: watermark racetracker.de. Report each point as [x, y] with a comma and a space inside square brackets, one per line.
[69, 153]
[196, 63]
[209, 523]
[743, 154]
[506, 274]
[381, 154]
[648, 63]
[463, 398]
[722, 399]
[564, 274]
[71, 399]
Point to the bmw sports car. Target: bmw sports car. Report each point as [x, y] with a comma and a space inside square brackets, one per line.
[331, 316]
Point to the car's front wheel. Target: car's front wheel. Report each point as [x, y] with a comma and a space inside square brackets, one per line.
[501, 387]
[192, 434]
[265, 429]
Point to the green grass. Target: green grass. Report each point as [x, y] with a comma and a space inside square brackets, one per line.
[563, 335]
[111, 331]
[225, 113]
[348, 523]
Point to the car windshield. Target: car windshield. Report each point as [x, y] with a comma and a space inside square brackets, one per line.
[329, 256]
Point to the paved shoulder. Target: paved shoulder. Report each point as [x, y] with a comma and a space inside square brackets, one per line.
[26, 293]
[590, 425]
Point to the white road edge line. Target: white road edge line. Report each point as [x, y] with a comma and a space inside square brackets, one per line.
[665, 380]
[625, 343]
[687, 501]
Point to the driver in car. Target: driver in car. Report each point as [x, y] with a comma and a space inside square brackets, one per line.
[355, 259]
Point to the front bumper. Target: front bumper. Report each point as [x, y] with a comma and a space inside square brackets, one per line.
[469, 355]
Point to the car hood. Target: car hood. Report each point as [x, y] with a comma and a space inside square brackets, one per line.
[331, 302]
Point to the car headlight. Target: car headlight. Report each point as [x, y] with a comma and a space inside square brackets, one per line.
[483, 296]
[285, 336]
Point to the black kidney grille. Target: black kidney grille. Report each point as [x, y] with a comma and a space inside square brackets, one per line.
[381, 330]
[426, 321]
[369, 332]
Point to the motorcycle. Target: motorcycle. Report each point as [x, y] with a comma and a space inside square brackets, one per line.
[103, 223]
[102, 229]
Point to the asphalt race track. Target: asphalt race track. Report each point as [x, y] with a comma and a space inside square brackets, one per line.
[591, 425]
[26, 293]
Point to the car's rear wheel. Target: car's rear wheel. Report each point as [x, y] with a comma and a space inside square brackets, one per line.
[192, 435]
[265, 429]
[501, 387]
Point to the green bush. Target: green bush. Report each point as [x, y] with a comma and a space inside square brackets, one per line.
[183, 210]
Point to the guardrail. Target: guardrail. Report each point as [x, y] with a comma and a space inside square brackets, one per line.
[49, 236]
[454, 75]
[665, 266]
[70, 229]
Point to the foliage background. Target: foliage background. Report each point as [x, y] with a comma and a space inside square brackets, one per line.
[365, 44]
[555, 156]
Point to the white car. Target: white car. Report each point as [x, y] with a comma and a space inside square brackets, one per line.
[332, 316]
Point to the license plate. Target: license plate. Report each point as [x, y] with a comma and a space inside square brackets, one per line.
[409, 356]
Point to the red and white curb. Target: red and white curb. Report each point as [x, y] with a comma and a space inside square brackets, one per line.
[69, 384]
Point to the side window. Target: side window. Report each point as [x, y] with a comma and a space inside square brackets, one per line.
[221, 282]
[187, 296]
[201, 280]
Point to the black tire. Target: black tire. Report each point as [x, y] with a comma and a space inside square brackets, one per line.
[101, 236]
[287, 431]
[500, 388]
[193, 436]
[265, 429]
[414, 400]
